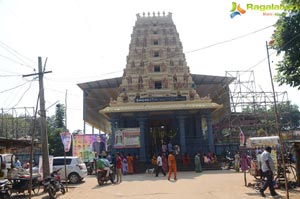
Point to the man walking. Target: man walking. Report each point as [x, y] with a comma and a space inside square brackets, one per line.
[159, 166]
[267, 167]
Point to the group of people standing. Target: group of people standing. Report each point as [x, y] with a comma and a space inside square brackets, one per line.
[129, 163]
[124, 164]
[265, 165]
[167, 163]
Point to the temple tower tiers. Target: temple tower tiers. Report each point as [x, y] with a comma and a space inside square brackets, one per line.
[156, 65]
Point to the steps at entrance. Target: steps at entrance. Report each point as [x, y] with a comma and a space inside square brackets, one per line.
[191, 167]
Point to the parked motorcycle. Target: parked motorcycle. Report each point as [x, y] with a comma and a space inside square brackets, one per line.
[228, 161]
[53, 184]
[102, 178]
[4, 189]
[90, 167]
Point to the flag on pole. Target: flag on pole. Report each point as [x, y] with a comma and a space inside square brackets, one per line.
[242, 137]
[66, 139]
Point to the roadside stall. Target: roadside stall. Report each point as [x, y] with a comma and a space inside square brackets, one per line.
[257, 145]
[292, 137]
[19, 179]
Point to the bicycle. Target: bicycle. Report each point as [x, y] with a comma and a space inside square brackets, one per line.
[290, 172]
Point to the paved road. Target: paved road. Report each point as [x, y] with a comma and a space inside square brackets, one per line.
[190, 185]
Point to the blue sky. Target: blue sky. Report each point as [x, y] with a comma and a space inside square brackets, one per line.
[88, 40]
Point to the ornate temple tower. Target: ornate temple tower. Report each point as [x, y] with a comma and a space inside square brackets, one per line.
[157, 93]
[156, 68]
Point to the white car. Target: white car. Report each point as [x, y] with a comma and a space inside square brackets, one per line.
[6, 161]
[76, 168]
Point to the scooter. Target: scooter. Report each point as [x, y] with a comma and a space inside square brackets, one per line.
[4, 189]
[103, 178]
[53, 184]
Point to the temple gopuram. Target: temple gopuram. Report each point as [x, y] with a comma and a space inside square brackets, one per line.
[157, 96]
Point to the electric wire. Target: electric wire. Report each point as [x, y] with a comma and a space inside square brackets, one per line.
[75, 95]
[64, 79]
[229, 40]
[10, 89]
[12, 60]
[21, 96]
[15, 53]
[272, 53]
[10, 75]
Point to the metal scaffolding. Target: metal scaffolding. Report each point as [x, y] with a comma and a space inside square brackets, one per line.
[244, 95]
[249, 107]
[15, 123]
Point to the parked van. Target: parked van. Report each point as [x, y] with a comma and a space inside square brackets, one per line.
[6, 161]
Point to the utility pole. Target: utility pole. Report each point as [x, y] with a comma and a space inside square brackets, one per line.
[44, 136]
[45, 149]
[277, 126]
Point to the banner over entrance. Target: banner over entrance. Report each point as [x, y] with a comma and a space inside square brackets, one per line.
[127, 138]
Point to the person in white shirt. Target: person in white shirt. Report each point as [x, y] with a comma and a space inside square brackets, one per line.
[267, 167]
[159, 166]
[258, 159]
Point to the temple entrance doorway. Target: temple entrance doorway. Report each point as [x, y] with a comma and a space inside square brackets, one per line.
[159, 133]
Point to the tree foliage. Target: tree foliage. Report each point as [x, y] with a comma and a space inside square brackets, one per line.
[56, 125]
[286, 40]
[15, 127]
[288, 116]
[60, 116]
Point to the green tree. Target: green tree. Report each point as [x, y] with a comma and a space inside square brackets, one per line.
[286, 39]
[60, 116]
[289, 115]
[56, 125]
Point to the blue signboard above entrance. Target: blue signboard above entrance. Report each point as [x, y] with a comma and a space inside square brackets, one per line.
[160, 99]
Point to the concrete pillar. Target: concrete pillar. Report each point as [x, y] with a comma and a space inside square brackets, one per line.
[210, 132]
[142, 124]
[114, 125]
[182, 133]
[199, 131]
